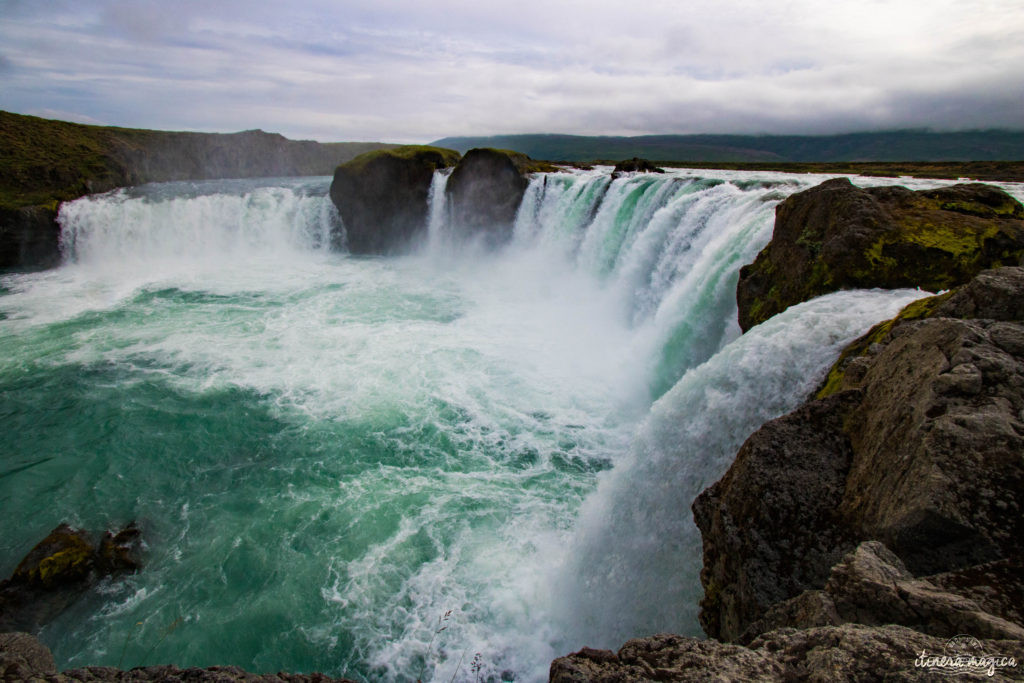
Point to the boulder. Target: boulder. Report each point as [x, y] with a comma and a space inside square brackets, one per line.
[850, 652]
[871, 586]
[59, 569]
[838, 236]
[485, 191]
[23, 658]
[915, 440]
[382, 197]
[635, 165]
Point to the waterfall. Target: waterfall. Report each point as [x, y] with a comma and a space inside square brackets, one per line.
[333, 451]
[438, 235]
[633, 567]
[196, 222]
[669, 249]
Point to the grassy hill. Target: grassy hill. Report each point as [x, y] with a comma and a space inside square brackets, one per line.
[43, 161]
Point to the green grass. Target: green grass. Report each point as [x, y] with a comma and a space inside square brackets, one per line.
[43, 162]
[443, 158]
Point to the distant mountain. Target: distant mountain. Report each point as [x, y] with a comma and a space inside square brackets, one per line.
[900, 145]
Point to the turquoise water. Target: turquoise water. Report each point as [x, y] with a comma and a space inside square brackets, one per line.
[327, 454]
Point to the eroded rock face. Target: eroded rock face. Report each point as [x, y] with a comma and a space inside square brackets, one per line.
[59, 569]
[937, 472]
[918, 442]
[23, 658]
[871, 586]
[485, 191]
[29, 236]
[770, 526]
[837, 236]
[382, 197]
[850, 652]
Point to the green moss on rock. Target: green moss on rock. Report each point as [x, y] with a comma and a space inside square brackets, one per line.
[915, 310]
[439, 156]
[837, 236]
[65, 556]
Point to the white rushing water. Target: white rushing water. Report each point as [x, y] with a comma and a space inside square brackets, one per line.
[331, 452]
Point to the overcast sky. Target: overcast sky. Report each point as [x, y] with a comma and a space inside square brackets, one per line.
[414, 71]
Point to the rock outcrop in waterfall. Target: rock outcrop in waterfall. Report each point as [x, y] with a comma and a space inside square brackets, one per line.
[485, 191]
[838, 236]
[382, 196]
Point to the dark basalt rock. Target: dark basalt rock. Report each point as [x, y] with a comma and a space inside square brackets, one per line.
[915, 441]
[850, 652]
[635, 165]
[485, 190]
[29, 236]
[382, 197]
[837, 236]
[59, 569]
[871, 586]
[770, 526]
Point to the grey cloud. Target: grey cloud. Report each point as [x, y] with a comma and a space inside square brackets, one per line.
[411, 71]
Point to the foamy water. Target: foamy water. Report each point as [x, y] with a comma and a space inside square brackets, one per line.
[327, 453]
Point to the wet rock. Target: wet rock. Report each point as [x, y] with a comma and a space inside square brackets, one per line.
[59, 569]
[485, 191]
[871, 586]
[635, 165]
[29, 236]
[915, 441]
[770, 526]
[382, 197]
[837, 236]
[850, 652]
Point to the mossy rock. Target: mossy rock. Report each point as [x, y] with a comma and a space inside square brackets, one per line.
[992, 294]
[636, 165]
[439, 156]
[915, 310]
[837, 236]
[382, 196]
[58, 569]
[65, 556]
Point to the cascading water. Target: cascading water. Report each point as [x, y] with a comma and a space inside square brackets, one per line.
[329, 453]
[196, 221]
